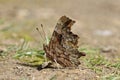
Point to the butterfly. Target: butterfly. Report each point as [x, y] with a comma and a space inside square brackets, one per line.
[63, 47]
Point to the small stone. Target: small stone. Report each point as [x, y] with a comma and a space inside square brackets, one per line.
[28, 74]
[103, 32]
[108, 49]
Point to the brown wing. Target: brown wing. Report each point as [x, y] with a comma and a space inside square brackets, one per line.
[63, 44]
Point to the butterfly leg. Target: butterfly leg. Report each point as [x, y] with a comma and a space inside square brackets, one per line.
[57, 64]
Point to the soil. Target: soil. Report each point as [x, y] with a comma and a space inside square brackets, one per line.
[97, 24]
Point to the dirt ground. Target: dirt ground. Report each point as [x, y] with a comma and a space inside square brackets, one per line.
[97, 24]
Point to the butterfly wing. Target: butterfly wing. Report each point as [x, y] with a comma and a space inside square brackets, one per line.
[63, 44]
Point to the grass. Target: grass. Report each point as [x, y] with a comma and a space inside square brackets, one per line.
[94, 60]
[2, 21]
[110, 77]
[32, 56]
[98, 63]
[54, 77]
[2, 54]
[28, 55]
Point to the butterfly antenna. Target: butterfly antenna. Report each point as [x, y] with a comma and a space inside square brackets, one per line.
[45, 36]
[40, 33]
[43, 40]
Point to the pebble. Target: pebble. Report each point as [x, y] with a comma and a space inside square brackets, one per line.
[103, 33]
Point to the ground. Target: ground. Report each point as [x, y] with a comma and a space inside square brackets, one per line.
[97, 24]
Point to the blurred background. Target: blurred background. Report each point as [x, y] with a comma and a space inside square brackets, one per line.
[97, 21]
